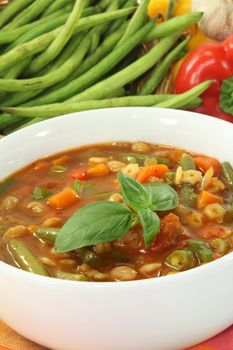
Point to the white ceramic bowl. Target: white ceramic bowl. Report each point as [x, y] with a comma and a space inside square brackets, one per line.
[165, 313]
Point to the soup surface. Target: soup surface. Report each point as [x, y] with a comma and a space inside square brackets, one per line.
[117, 212]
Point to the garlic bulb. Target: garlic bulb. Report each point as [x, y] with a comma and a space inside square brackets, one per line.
[217, 21]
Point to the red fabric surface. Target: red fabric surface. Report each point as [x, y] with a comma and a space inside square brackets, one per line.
[9, 340]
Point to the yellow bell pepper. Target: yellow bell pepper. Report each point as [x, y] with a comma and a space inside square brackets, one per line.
[182, 7]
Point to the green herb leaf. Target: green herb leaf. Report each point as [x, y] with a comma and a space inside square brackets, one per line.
[40, 193]
[93, 224]
[162, 196]
[5, 184]
[134, 194]
[202, 249]
[187, 163]
[150, 223]
[226, 97]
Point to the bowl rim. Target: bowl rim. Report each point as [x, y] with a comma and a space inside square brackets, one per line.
[52, 281]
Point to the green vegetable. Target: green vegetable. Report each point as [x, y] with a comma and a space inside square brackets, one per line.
[163, 160]
[77, 186]
[178, 101]
[63, 37]
[187, 163]
[5, 184]
[47, 234]
[51, 78]
[40, 193]
[11, 9]
[24, 258]
[128, 74]
[227, 172]
[134, 194]
[93, 224]
[181, 259]
[188, 196]
[106, 221]
[226, 96]
[56, 5]
[30, 12]
[137, 21]
[202, 249]
[88, 257]
[173, 25]
[70, 276]
[150, 224]
[159, 72]
[162, 196]
[53, 110]
[171, 8]
[42, 42]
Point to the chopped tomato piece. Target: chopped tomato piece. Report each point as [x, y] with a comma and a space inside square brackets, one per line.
[213, 231]
[78, 174]
[63, 199]
[157, 170]
[170, 233]
[206, 198]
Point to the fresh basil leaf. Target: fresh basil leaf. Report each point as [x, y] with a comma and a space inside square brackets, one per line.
[93, 224]
[226, 97]
[134, 194]
[162, 196]
[150, 223]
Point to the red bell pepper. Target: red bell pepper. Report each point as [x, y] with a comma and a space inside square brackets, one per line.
[213, 61]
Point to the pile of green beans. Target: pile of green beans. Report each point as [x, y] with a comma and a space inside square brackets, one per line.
[73, 55]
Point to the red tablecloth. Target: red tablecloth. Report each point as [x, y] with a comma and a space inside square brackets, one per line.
[9, 340]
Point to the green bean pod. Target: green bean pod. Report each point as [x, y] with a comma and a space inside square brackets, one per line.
[70, 276]
[161, 70]
[42, 42]
[11, 9]
[24, 258]
[181, 259]
[227, 173]
[56, 5]
[178, 101]
[179, 23]
[51, 78]
[128, 74]
[30, 13]
[47, 234]
[137, 21]
[187, 163]
[202, 249]
[53, 110]
[60, 41]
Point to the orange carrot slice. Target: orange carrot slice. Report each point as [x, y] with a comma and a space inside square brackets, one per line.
[206, 198]
[157, 170]
[64, 199]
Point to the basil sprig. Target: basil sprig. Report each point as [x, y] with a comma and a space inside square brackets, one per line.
[105, 221]
[226, 96]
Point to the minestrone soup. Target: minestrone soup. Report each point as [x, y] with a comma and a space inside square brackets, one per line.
[117, 212]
